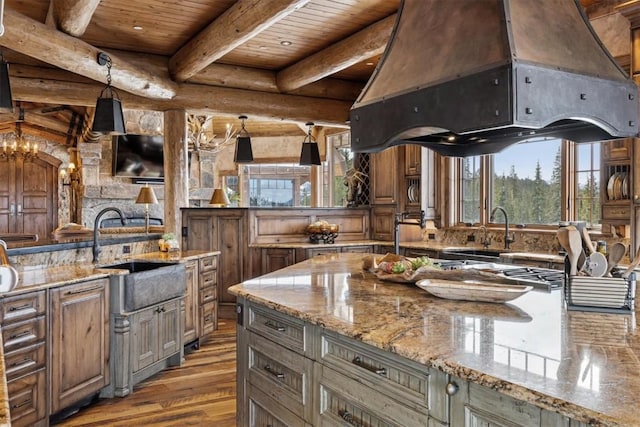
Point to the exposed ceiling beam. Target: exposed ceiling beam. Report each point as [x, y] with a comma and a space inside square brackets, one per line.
[265, 81]
[196, 98]
[73, 16]
[363, 45]
[39, 41]
[239, 23]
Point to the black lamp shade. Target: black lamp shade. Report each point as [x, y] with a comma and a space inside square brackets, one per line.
[244, 153]
[310, 154]
[108, 118]
[6, 101]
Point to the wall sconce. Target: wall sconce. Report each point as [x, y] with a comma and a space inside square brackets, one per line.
[70, 174]
[147, 197]
[108, 118]
[244, 153]
[219, 198]
[6, 100]
[310, 154]
[19, 148]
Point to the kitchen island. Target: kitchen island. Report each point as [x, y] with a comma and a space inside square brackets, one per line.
[529, 356]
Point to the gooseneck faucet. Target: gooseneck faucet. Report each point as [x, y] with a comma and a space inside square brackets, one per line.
[400, 219]
[507, 239]
[96, 245]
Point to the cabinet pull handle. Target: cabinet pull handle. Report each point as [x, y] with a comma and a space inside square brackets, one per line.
[20, 334]
[207, 318]
[12, 210]
[270, 324]
[160, 309]
[82, 291]
[451, 388]
[21, 362]
[20, 307]
[19, 210]
[348, 417]
[21, 404]
[278, 375]
[378, 371]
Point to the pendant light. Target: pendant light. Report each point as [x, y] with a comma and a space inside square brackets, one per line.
[6, 101]
[108, 118]
[310, 154]
[244, 153]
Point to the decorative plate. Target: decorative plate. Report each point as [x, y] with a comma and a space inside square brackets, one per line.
[610, 182]
[472, 290]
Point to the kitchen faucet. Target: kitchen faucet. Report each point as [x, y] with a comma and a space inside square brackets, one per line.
[507, 239]
[96, 245]
[400, 219]
[485, 240]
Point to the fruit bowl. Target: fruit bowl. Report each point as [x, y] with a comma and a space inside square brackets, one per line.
[322, 231]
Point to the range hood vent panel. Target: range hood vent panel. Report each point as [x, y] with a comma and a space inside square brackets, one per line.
[466, 77]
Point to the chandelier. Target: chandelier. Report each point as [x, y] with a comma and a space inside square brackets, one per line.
[20, 148]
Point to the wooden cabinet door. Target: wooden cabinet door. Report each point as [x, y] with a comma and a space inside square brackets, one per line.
[169, 331]
[384, 176]
[79, 342]
[382, 222]
[144, 328]
[412, 158]
[191, 303]
[230, 235]
[7, 197]
[275, 258]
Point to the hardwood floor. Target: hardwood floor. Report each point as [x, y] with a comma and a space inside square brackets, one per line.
[201, 392]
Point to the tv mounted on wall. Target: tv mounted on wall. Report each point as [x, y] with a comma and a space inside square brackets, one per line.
[138, 156]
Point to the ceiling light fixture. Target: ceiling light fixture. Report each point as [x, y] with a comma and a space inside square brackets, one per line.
[137, 27]
[310, 154]
[6, 101]
[108, 118]
[244, 152]
[286, 43]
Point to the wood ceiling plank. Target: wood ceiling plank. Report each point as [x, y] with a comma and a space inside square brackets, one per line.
[240, 23]
[363, 45]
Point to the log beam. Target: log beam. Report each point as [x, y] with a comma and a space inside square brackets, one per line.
[363, 45]
[73, 16]
[239, 23]
[39, 41]
[194, 98]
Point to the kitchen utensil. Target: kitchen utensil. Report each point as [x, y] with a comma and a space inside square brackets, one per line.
[632, 265]
[616, 253]
[596, 263]
[8, 274]
[573, 240]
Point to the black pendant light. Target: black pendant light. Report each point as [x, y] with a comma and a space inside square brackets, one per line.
[244, 153]
[310, 154]
[108, 118]
[6, 101]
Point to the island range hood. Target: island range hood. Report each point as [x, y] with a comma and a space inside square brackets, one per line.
[473, 77]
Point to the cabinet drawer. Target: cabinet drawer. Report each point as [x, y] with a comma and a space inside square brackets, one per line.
[24, 360]
[27, 399]
[21, 334]
[613, 212]
[264, 411]
[286, 331]
[208, 263]
[208, 294]
[343, 401]
[358, 249]
[392, 377]
[22, 307]
[208, 279]
[209, 316]
[284, 375]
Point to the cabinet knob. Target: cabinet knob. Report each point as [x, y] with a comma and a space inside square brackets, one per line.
[451, 388]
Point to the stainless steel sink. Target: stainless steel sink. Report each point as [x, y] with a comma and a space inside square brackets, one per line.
[470, 253]
[146, 284]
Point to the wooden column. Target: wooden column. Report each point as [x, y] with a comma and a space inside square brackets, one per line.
[176, 169]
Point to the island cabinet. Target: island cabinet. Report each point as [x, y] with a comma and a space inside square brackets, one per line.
[23, 321]
[293, 373]
[79, 342]
[191, 307]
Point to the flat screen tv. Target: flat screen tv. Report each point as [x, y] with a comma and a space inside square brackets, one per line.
[138, 156]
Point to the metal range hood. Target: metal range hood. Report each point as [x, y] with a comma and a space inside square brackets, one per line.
[472, 77]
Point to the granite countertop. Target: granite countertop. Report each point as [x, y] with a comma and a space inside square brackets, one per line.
[309, 245]
[582, 365]
[46, 277]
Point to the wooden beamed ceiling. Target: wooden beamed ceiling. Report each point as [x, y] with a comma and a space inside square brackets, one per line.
[279, 61]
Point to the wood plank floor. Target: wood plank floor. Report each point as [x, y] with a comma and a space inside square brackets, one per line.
[201, 392]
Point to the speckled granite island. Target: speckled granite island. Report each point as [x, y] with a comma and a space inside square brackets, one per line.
[526, 362]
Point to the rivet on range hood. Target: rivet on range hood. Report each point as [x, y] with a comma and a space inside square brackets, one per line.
[473, 77]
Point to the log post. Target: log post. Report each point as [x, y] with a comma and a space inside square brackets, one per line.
[176, 169]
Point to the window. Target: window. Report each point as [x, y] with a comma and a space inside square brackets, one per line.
[339, 161]
[529, 180]
[273, 185]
